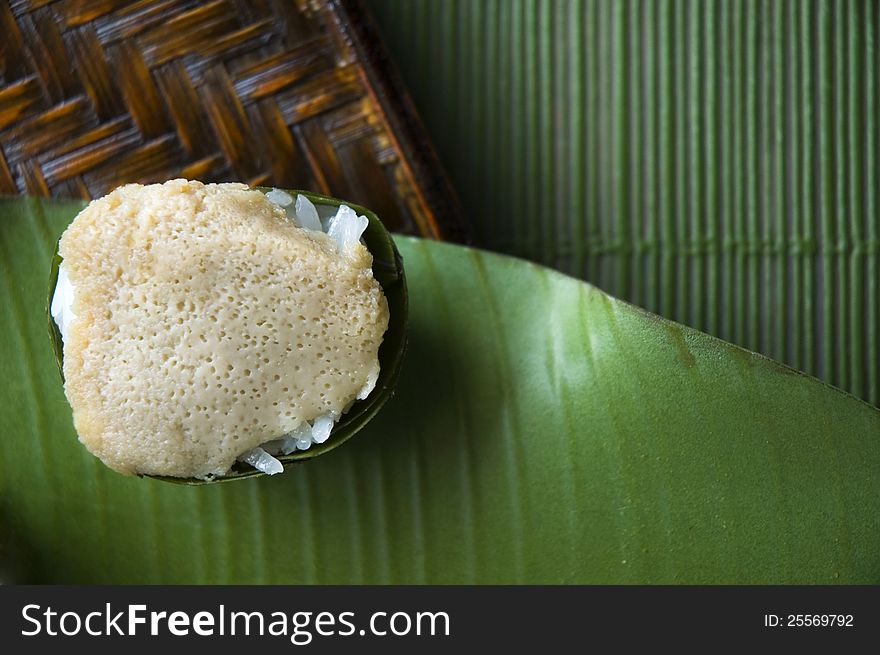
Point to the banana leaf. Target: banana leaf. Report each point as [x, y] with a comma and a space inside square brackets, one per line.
[541, 432]
[714, 161]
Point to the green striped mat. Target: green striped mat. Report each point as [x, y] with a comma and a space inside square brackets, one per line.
[715, 162]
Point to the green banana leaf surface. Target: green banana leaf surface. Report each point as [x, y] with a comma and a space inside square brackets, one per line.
[542, 432]
[714, 161]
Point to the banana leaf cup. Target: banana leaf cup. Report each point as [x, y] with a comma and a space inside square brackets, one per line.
[389, 273]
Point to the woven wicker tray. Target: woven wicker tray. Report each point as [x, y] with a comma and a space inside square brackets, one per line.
[289, 93]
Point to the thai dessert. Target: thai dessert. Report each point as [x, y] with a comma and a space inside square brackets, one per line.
[209, 324]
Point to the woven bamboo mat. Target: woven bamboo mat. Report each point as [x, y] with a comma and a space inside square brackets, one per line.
[289, 93]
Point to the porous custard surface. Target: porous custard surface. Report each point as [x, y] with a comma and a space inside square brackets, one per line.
[206, 324]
